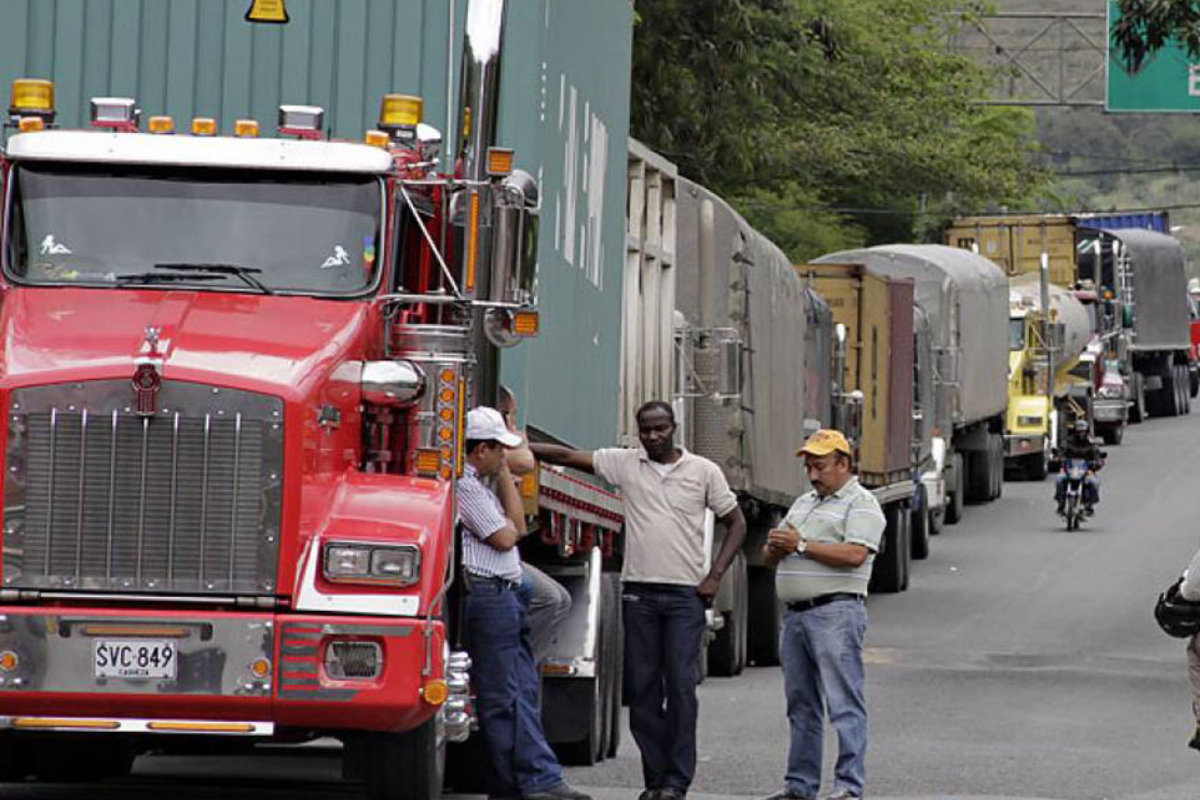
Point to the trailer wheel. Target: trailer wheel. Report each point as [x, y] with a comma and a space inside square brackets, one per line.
[954, 505]
[1194, 381]
[406, 766]
[919, 525]
[1037, 466]
[1137, 408]
[980, 483]
[888, 575]
[1113, 434]
[725, 651]
[1164, 402]
[998, 464]
[766, 618]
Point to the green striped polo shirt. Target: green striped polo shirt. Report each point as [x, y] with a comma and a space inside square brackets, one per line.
[850, 515]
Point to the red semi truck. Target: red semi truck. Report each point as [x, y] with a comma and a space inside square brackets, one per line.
[236, 371]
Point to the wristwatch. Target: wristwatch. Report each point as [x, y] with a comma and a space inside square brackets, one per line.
[801, 546]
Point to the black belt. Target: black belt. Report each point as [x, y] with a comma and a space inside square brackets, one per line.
[822, 599]
[491, 580]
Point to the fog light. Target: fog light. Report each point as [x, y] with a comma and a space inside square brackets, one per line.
[353, 660]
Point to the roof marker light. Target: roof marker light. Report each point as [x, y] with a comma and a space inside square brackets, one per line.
[246, 128]
[400, 111]
[204, 126]
[161, 124]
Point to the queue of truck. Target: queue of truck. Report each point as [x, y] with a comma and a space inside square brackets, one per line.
[231, 451]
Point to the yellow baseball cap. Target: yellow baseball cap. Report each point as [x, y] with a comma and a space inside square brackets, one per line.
[824, 442]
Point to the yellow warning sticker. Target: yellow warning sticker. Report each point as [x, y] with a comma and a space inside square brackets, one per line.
[272, 11]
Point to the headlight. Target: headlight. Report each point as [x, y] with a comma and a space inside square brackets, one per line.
[1029, 421]
[352, 562]
[1111, 392]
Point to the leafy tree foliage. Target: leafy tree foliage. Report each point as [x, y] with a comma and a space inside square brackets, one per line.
[1146, 25]
[812, 116]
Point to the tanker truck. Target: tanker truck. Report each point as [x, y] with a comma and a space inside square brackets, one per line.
[236, 377]
[1050, 374]
[965, 299]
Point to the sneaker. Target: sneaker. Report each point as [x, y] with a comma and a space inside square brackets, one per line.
[650, 794]
[671, 793]
[842, 793]
[560, 792]
[787, 793]
[1195, 742]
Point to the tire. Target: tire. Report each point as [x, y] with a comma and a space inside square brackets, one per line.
[919, 525]
[1194, 381]
[954, 504]
[998, 465]
[1072, 520]
[980, 482]
[936, 521]
[1164, 402]
[1137, 408]
[905, 519]
[766, 618]
[888, 574]
[725, 650]
[1037, 466]
[406, 766]
[1113, 434]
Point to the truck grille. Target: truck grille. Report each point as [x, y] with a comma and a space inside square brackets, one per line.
[184, 501]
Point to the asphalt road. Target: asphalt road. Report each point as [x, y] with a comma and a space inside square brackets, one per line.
[1023, 663]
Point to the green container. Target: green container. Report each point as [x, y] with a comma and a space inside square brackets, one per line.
[564, 108]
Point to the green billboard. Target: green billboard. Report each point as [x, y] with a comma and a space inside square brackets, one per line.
[1169, 81]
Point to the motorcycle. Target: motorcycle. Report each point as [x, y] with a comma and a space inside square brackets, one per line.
[1074, 509]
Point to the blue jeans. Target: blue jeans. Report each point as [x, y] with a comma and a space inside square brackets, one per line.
[664, 628]
[821, 651]
[506, 692]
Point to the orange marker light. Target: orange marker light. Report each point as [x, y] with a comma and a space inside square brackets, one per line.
[246, 128]
[161, 124]
[436, 692]
[377, 139]
[427, 462]
[32, 94]
[499, 161]
[31, 124]
[9, 661]
[472, 241]
[261, 667]
[204, 126]
[525, 323]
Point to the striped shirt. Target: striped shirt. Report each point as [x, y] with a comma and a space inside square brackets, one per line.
[851, 515]
[481, 514]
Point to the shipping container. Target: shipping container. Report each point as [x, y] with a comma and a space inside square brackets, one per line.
[878, 314]
[1017, 242]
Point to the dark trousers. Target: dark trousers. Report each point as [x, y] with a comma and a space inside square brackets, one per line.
[664, 628]
[506, 692]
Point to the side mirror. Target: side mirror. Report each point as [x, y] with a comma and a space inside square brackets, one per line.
[514, 240]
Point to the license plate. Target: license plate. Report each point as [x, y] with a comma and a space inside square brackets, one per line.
[138, 658]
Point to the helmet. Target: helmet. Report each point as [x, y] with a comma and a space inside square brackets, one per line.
[1081, 426]
[1175, 615]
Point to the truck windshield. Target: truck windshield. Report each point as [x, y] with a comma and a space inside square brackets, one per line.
[295, 232]
[1016, 334]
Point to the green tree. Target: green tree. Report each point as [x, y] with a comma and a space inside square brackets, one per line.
[852, 106]
[1146, 25]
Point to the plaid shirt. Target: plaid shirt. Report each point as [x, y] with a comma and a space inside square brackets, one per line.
[481, 514]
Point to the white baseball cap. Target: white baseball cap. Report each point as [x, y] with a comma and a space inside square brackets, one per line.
[487, 424]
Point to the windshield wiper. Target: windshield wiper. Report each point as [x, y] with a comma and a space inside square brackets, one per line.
[246, 274]
[161, 277]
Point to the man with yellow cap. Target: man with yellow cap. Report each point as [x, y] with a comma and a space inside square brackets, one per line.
[823, 552]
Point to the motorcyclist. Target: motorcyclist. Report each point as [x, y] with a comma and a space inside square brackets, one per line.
[1080, 445]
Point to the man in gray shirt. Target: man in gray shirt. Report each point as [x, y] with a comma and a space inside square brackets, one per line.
[823, 556]
[666, 587]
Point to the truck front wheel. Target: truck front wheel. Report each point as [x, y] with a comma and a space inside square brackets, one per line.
[406, 766]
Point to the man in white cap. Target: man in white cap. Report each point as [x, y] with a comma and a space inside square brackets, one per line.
[496, 624]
